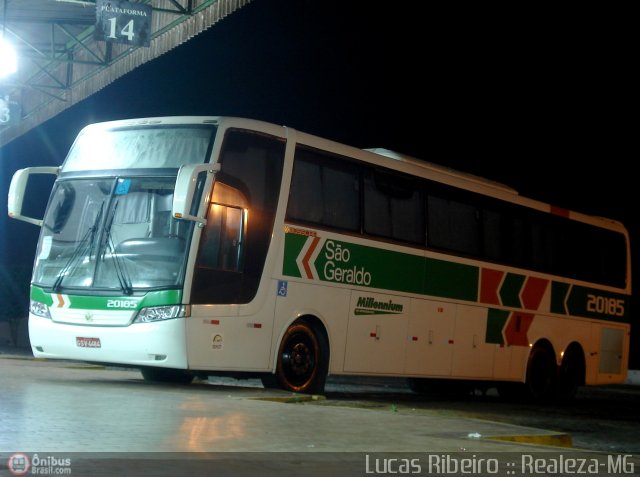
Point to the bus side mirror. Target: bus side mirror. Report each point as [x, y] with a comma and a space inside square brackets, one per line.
[17, 190]
[188, 191]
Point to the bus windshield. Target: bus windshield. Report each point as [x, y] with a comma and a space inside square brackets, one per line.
[142, 148]
[112, 234]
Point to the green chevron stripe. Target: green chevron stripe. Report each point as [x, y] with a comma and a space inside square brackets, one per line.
[114, 302]
[559, 292]
[353, 264]
[496, 320]
[293, 244]
[510, 290]
[359, 265]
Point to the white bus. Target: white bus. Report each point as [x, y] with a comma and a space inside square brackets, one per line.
[194, 246]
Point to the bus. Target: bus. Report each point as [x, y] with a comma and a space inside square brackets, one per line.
[199, 246]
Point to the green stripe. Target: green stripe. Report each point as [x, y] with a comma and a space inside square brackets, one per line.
[359, 265]
[293, 244]
[353, 264]
[600, 304]
[115, 302]
[510, 290]
[559, 292]
[577, 300]
[38, 294]
[496, 320]
[451, 280]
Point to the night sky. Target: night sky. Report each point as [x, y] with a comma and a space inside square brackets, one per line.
[537, 100]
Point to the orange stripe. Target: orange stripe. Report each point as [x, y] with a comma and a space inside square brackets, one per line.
[60, 300]
[533, 292]
[489, 282]
[517, 328]
[307, 256]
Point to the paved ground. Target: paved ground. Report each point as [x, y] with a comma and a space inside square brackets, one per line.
[53, 406]
[71, 410]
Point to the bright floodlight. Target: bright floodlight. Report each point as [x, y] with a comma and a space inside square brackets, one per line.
[8, 61]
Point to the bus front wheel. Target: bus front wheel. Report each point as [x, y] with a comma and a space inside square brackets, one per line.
[303, 359]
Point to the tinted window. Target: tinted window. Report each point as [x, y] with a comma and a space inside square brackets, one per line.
[324, 191]
[393, 207]
[453, 225]
[240, 219]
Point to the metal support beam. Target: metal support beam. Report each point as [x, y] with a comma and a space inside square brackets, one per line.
[47, 93]
[56, 40]
[40, 88]
[82, 45]
[25, 42]
[60, 59]
[46, 72]
[180, 8]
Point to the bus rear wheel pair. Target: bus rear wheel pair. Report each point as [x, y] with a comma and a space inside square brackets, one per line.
[303, 359]
[545, 381]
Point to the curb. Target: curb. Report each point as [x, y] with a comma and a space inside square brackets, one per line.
[553, 440]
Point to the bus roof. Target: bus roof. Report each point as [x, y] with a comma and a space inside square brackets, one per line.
[454, 175]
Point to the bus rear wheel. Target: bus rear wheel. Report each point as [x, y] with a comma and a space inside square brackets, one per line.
[540, 384]
[571, 374]
[303, 359]
[166, 375]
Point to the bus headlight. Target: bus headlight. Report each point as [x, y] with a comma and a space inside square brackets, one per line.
[159, 313]
[39, 309]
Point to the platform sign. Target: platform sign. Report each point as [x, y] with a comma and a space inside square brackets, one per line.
[9, 112]
[123, 22]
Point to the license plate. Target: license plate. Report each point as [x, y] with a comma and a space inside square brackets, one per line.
[82, 342]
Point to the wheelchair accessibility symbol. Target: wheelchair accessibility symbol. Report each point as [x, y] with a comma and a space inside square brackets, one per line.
[282, 288]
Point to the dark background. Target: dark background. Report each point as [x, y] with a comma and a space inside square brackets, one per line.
[540, 100]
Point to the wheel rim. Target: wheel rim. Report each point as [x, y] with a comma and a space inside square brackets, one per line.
[299, 359]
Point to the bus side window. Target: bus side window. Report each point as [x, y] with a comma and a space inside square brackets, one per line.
[222, 244]
[393, 207]
[492, 235]
[453, 225]
[306, 193]
[234, 246]
[324, 190]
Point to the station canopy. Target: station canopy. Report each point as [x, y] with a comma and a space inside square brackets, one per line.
[66, 50]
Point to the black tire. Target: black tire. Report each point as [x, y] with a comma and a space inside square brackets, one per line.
[166, 375]
[270, 381]
[571, 375]
[542, 374]
[303, 359]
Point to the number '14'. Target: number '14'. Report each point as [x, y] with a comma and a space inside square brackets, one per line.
[126, 31]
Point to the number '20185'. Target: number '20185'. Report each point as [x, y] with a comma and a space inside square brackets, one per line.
[605, 305]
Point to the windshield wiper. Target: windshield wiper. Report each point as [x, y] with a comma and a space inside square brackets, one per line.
[121, 272]
[86, 243]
